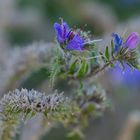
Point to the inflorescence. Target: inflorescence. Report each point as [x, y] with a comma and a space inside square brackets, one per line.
[71, 39]
[24, 100]
[76, 58]
[20, 105]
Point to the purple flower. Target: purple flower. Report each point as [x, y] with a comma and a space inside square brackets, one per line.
[61, 31]
[132, 40]
[68, 38]
[117, 42]
[76, 43]
[128, 77]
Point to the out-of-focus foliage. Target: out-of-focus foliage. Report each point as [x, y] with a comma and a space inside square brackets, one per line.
[123, 8]
[137, 134]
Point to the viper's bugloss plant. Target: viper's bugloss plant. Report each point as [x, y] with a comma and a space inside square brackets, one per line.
[131, 41]
[77, 60]
[69, 38]
[117, 42]
[125, 49]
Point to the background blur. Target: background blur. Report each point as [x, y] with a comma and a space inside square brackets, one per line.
[24, 21]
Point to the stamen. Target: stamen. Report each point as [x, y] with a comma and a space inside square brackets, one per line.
[89, 58]
[93, 41]
[71, 35]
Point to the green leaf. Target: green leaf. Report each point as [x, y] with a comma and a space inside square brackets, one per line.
[55, 69]
[73, 67]
[103, 57]
[112, 48]
[112, 65]
[83, 69]
[107, 53]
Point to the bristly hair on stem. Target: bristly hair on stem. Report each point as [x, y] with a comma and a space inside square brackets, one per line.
[23, 104]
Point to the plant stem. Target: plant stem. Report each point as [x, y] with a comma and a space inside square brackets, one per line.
[9, 127]
[100, 69]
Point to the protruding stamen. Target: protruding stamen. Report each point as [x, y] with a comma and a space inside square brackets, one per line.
[93, 41]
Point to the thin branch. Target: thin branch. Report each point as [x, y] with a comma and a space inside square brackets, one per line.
[100, 69]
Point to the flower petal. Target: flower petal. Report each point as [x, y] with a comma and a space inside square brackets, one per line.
[65, 29]
[58, 31]
[132, 40]
[117, 42]
[76, 43]
[61, 31]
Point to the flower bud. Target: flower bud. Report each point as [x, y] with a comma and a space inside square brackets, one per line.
[132, 40]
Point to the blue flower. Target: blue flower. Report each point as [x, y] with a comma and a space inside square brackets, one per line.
[131, 41]
[68, 37]
[128, 77]
[61, 31]
[118, 41]
[76, 43]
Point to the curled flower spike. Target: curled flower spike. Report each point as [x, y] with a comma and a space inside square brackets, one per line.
[132, 40]
[117, 42]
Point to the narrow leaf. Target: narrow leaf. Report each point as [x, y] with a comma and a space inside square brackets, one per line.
[83, 69]
[112, 48]
[107, 53]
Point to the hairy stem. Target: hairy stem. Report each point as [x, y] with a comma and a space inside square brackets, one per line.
[100, 69]
[9, 127]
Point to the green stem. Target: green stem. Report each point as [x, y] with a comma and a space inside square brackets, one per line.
[9, 127]
[100, 69]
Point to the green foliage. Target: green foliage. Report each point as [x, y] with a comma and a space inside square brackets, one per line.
[55, 68]
[107, 55]
[137, 134]
[36, 78]
[19, 35]
[73, 67]
[9, 128]
[83, 69]
[129, 57]
[123, 9]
